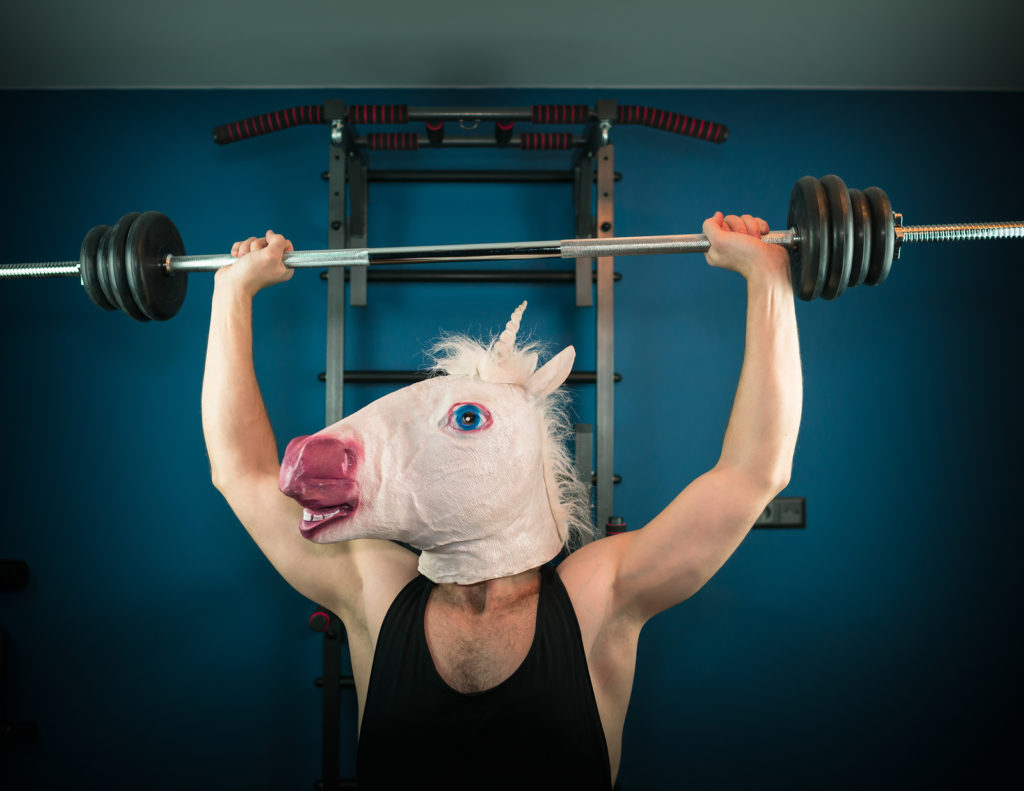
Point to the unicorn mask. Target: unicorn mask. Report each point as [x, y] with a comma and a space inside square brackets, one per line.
[469, 468]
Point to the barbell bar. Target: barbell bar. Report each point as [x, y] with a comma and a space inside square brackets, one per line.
[838, 238]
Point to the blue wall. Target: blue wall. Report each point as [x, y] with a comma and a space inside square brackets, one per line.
[880, 647]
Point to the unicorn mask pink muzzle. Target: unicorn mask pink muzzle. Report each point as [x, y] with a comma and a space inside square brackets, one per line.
[469, 468]
[319, 473]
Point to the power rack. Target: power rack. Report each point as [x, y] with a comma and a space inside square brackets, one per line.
[591, 173]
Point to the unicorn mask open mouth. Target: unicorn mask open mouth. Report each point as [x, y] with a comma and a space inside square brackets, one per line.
[470, 468]
[315, 522]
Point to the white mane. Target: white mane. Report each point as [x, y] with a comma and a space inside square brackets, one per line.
[462, 356]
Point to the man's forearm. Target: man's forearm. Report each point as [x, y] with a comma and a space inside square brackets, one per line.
[239, 438]
[765, 420]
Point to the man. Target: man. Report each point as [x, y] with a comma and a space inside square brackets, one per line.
[487, 716]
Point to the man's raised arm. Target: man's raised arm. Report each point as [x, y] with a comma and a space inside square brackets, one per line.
[669, 559]
[239, 439]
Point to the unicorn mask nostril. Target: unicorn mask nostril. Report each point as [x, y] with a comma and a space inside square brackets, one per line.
[317, 469]
[327, 457]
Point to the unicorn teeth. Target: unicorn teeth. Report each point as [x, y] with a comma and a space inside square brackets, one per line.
[308, 517]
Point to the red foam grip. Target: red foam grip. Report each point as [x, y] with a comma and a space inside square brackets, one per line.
[559, 113]
[673, 122]
[268, 122]
[546, 141]
[393, 141]
[379, 113]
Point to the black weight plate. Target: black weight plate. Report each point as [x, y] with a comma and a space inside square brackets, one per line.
[883, 236]
[808, 214]
[151, 239]
[102, 272]
[105, 267]
[117, 268]
[87, 262]
[861, 237]
[840, 226]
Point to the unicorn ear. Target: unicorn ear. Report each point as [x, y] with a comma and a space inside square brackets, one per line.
[549, 377]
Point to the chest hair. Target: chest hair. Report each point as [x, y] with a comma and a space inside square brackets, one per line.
[473, 650]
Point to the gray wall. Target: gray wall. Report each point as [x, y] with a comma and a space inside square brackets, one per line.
[917, 44]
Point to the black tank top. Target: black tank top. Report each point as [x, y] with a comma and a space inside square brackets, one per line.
[537, 729]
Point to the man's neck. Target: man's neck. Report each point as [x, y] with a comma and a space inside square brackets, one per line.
[489, 596]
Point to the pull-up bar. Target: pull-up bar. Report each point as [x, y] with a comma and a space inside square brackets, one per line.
[435, 117]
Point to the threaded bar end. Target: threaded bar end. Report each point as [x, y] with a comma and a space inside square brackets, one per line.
[45, 269]
[962, 232]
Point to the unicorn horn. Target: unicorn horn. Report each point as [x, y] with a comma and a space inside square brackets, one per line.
[507, 339]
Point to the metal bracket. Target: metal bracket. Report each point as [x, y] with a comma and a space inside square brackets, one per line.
[607, 112]
[784, 512]
[583, 451]
[358, 195]
[582, 199]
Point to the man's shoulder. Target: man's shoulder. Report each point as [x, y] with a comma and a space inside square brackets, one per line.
[590, 578]
[383, 569]
[593, 562]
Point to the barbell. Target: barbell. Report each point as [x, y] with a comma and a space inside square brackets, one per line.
[838, 238]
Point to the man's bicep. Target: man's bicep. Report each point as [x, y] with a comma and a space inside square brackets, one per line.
[671, 558]
[318, 571]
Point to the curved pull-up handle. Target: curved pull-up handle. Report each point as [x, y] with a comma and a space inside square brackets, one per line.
[668, 121]
[268, 122]
[306, 114]
[665, 120]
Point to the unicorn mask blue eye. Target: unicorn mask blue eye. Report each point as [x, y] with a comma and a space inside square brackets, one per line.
[470, 468]
[469, 417]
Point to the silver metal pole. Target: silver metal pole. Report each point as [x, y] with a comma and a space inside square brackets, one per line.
[657, 245]
[338, 239]
[567, 248]
[604, 496]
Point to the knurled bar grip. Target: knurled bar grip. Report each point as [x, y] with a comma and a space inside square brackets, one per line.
[658, 245]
